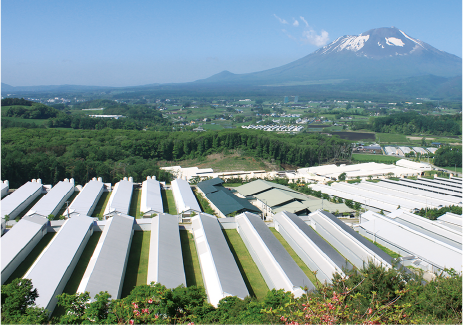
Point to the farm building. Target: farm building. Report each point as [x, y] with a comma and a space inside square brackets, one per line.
[16, 202]
[433, 186]
[441, 183]
[402, 151]
[421, 249]
[119, 201]
[19, 241]
[52, 202]
[277, 267]
[86, 201]
[165, 263]
[106, 269]
[272, 198]
[185, 200]
[451, 220]
[432, 150]
[53, 268]
[346, 241]
[220, 273]
[413, 165]
[316, 253]
[151, 199]
[420, 150]
[222, 200]
[5, 187]
[391, 151]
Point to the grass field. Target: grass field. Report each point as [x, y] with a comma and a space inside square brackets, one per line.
[101, 205]
[136, 272]
[360, 157]
[391, 138]
[168, 202]
[30, 259]
[296, 258]
[249, 270]
[384, 249]
[134, 209]
[190, 260]
[26, 120]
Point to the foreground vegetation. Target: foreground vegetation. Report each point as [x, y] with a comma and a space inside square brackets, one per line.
[371, 295]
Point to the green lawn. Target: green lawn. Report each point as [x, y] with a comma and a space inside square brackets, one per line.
[249, 270]
[204, 203]
[30, 259]
[296, 258]
[134, 209]
[23, 212]
[391, 138]
[136, 272]
[168, 202]
[101, 205]
[384, 249]
[361, 158]
[190, 260]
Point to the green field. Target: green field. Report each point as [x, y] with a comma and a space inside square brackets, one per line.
[391, 138]
[296, 258]
[361, 158]
[101, 205]
[26, 120]
[249, 270]
[30, 259]
[384, 249]
[168, 202]
[190, 260]
[134, 209]
[136, 272]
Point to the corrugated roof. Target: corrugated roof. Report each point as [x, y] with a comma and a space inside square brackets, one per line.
[151, 199]
[165, 263]
[120, 198]
[85, 202]
[259, 186]
[18, 237]
[49, 202]
[11, 202]
[107, 265]
[214, 253]
[48, 270]
[183, 195]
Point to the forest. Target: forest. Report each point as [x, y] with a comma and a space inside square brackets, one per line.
[52, 154]
[413, 123]
[448, 156]
[373, 295]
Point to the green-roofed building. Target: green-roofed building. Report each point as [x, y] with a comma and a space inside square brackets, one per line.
[224, 200]
[273, 198]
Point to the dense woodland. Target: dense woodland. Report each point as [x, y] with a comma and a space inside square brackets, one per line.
[448, 156]
[413, 123]
[53, 155]
[372, 295]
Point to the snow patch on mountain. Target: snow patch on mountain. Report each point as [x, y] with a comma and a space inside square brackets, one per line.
[394, 41]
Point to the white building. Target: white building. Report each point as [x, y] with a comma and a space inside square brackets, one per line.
[185, 200]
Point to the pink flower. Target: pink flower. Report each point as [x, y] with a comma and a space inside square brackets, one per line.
[145, 311]
[131, 322]
[135, 311]
[135, 305]
[156, 316]
[150, 301]
[370, 310]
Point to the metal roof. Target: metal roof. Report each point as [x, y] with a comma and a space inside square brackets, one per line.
[434, 185]
[53, 200]
[86, 201]
[18, 237]
[151, 199]
[11, 202]
[120, 198]
[5, 188]
[348, 242]
[450, 180]
[106, 269]
[223, 199]
[456, 185]
[311, 248]
[165, 263]
[57, 259]
[278, 268]
[220, 272]
[451, 220]
[183, 195]
[411, 184]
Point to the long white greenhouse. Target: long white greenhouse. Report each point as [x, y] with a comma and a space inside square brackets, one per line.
[16, 202]
[85, 202]
[151, 199]
[52, 202]
[185, 200]
[120, 198]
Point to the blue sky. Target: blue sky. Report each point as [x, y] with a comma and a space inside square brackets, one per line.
[128, 43]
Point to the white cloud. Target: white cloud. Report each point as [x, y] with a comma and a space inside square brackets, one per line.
[295, 23]
[310, 36]
[280, 19]
[305, 21]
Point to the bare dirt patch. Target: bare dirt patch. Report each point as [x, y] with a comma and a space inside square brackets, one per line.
[419, 138]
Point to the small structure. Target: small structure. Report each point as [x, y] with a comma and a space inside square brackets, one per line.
[275, 264]
[223, 201]
[119, 201]
[86, 201]
[19, 241]
[5, 187]
[185, 200]
[16, 202]
[106, 269]
[52, 202]
[316, 253]
[165, 263]
[151, 199]
[53, 268]
[220, 273]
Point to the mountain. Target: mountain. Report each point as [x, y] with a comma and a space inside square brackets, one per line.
[378, 55]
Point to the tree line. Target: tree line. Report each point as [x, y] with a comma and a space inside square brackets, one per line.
[448, 156]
